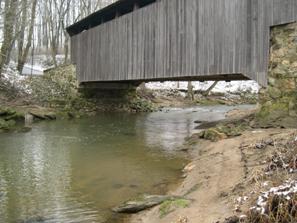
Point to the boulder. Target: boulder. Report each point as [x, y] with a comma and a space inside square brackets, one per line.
[6, 125]
[43, 115]
[212, 134]
[145, 202]
[6, 112]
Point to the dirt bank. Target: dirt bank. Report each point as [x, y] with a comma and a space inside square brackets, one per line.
[215, 180]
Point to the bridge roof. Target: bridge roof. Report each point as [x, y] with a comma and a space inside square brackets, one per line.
[106, 14]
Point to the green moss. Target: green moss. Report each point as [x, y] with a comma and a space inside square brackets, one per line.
[232, 129]
[17, 116]
[169, 206]
[141, 105]
[7, 125]
[212, 134]
[7, 111]
[225, 129]
[279, 99]
[273, 110]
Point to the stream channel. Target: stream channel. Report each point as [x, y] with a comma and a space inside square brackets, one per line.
[77, 170]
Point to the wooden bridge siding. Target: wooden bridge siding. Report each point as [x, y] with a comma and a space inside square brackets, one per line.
[265, 14]
[159, 41]
[195, 42]
[284, 11]
[182, 38]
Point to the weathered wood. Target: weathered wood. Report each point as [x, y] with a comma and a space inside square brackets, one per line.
[182, 40]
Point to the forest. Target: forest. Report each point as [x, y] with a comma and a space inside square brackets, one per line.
[30, 28]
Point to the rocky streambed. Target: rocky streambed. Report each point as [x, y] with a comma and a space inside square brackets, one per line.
[21, 119]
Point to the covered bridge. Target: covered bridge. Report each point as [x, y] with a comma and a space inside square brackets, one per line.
[132, 41]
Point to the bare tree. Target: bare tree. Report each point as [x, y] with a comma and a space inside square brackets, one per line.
[48, 19]
[56, 10]
[23, 25]
[207, 92]
[190, 91]
[8, 32]
[23, 53]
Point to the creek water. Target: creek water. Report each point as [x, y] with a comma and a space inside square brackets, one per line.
[77, 170]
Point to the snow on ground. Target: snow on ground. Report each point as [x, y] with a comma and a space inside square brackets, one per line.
[32, 70]
[12, 76]
[222, 86]
[286, 190]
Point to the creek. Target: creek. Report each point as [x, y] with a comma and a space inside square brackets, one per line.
[77, 170]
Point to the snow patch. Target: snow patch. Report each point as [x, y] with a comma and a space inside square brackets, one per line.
[11, 76]
[286, 190]
[221, 87]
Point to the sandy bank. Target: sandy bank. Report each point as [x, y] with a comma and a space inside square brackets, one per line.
[214, 180]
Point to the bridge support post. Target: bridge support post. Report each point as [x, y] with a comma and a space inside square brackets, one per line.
[279, 100]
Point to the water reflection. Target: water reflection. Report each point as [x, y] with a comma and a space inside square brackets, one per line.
[38, 171]
[170, 129]
[75, 171]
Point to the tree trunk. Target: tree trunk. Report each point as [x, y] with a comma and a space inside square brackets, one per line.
[8, 32]
[54, 52]
[66, 49]
[206, 93]
[24, 56]
[190, 91]
[21, 37]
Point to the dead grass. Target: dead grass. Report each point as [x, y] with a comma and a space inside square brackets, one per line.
[279, 209]
[279, 204]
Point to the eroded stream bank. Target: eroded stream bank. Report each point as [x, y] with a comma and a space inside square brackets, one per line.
[77, 170]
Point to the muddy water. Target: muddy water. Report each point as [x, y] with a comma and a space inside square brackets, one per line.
[75, 171]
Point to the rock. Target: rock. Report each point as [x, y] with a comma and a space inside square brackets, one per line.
[2, 112]
[232, 129]
[278, 100]
[260, 146]
[38, 115]
[6, 112]
[6, 125]
[16, 116]
[292, 109]
[212, 134]
[182, 219]
[147, 201]
[233, 219]
[274, 92]
[264, 144]
[51, 116]
[42, 115]
[189, 167]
